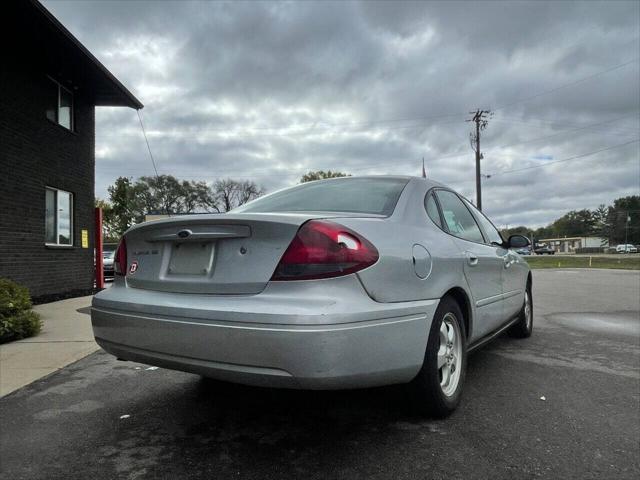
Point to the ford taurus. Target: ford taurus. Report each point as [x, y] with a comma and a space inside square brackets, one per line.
[334, 284]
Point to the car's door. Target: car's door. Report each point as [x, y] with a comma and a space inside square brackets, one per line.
[514, 273]
[482, 263]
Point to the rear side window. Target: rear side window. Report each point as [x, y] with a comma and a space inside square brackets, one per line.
[458, 218]
[492, 232]
[432, 210]
[357, 195]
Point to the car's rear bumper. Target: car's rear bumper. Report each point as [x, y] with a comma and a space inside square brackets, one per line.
[278, 338]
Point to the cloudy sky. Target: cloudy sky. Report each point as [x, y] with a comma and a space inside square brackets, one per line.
[267, 91]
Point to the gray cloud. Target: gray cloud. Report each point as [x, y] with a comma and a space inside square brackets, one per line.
[269, 90]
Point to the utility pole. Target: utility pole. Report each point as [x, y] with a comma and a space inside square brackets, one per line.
[481, 119]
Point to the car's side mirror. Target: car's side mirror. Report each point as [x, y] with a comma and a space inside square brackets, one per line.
[518, 241]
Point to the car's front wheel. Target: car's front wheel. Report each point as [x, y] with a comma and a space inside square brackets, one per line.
[437, 388]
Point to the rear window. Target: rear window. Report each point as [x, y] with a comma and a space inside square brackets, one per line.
[357, 195]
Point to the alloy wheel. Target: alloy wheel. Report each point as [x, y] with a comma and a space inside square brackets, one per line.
[528, 311]
[449, 354]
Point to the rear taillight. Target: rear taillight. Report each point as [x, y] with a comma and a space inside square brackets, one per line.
[120, 259]
[323, 249]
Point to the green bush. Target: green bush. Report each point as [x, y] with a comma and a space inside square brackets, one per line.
[22, 325]
[17, 320]
[13, 298]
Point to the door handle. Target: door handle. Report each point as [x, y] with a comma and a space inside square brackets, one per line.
[472, 259]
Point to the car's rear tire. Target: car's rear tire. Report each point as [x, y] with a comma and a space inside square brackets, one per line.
[523, 328]
[437, 389]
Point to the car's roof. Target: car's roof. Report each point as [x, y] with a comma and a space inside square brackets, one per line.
[430, 182]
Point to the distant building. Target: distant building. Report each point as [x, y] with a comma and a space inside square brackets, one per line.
[570, 244]
[50, 87]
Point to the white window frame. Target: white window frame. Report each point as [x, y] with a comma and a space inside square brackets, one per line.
[57, 220]
[72, 122]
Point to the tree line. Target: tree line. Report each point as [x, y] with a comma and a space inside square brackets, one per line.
[616, 223]
[130, 201]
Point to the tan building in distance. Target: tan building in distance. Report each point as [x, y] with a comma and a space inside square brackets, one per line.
[570, 244]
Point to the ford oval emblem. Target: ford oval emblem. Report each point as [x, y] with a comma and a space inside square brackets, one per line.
[184, 233]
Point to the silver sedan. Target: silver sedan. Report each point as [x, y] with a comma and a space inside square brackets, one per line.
[342, 283]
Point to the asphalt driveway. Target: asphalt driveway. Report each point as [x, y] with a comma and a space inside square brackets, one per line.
[563, 404]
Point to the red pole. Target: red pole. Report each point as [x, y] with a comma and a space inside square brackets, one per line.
[98, 244]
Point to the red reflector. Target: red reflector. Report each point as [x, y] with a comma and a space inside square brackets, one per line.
[324, 249]
[120, 259]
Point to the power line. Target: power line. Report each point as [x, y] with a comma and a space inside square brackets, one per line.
[575, 157]
[153, 162]
[584, 79]
[501, 119]
[566, 132]
[290, 173]
[302, 170]
[542, 124]
[144, 133]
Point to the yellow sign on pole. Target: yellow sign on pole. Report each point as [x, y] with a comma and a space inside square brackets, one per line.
[85, 238]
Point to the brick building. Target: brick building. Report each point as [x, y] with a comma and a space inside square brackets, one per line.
[50, 86]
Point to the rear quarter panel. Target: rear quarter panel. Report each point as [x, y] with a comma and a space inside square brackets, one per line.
[393, 278]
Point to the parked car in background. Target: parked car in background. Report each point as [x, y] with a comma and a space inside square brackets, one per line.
[544, 249]
[108, 255]
[343, 283]
[524, 251]
[626, 248]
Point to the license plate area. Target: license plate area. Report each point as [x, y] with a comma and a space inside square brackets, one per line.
[191, 258]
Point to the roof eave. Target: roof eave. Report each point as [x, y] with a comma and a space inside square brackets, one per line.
[128, 99]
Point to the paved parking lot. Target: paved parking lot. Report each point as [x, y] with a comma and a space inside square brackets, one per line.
[584, 360]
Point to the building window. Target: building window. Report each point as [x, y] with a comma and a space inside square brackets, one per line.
[58, 217]
[60, 105]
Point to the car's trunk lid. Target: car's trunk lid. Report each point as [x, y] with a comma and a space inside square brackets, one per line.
[228, 254]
